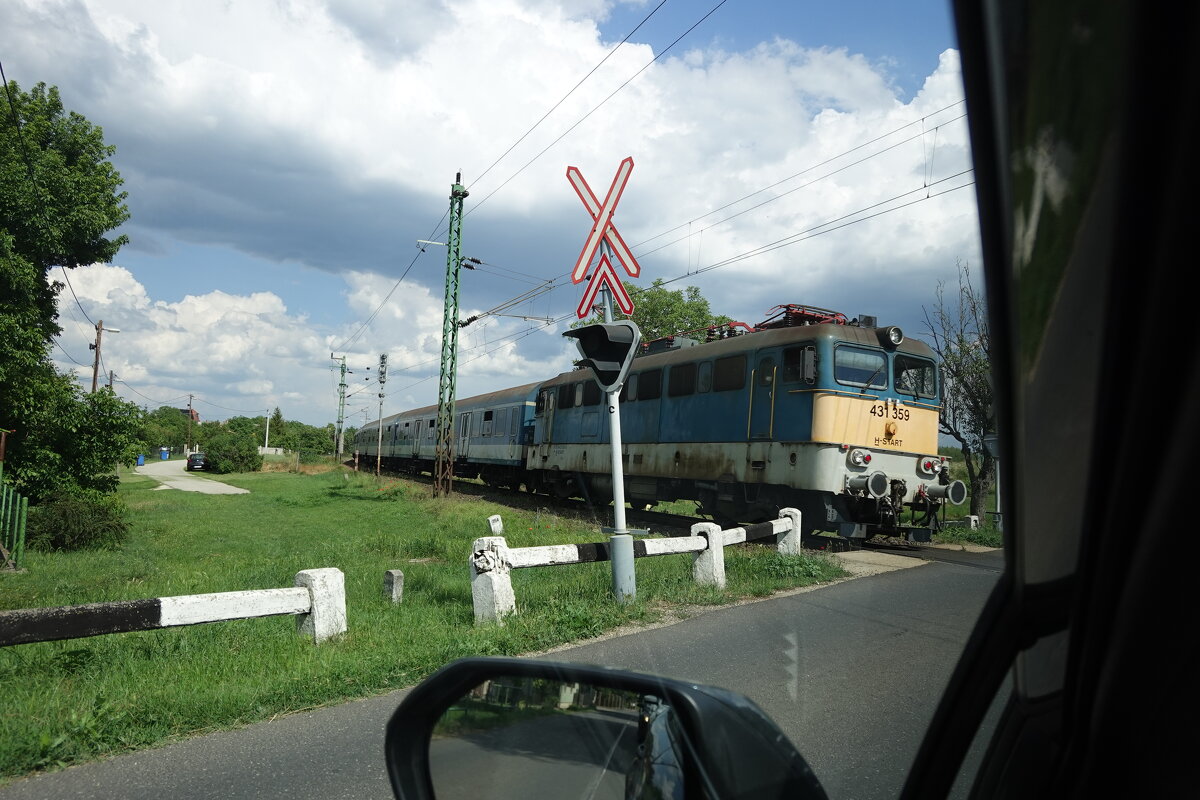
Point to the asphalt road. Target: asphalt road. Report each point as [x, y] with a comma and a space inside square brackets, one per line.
[850, 672]
[173, 475]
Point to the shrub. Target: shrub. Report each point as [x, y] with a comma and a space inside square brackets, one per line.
[84, 520]
[230, 452]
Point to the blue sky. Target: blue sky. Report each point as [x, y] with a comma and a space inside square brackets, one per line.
[282, 159]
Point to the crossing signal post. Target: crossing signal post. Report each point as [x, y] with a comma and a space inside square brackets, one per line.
[608, 350]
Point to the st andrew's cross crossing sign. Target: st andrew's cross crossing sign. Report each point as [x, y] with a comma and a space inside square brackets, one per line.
[603, 230]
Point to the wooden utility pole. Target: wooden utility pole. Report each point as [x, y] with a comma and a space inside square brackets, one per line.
[100, 329]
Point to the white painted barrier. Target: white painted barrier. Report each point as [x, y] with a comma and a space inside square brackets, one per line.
[492, 560]
[318, 599]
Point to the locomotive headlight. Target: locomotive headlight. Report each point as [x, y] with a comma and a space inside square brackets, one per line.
[891, 336]
[930, 465]
[859, 457]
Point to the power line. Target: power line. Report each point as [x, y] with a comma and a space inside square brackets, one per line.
[151, 399]
[804, 171]
[596, 108]
[572, 91]
[828, 226]
[65, 353]
[225, 408]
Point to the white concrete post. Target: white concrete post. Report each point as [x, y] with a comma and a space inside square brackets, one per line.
[496, 525]
[491, 585]
[789, 543]
[393, 585]
[327, 616]
[708, 568]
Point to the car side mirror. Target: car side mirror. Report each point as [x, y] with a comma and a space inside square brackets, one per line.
[502, 727]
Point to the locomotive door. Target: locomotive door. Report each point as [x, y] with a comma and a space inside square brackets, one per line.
[763, 378]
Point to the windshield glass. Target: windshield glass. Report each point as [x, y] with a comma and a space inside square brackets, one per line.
[337, 244]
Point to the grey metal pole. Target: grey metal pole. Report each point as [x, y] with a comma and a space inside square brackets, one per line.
[620, 543]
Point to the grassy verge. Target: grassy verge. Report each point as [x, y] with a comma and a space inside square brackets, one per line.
[986, 535]
[71, 701]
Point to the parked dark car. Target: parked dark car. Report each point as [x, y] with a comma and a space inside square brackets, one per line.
[196, 461]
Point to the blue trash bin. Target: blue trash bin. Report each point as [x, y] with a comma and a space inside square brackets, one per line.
[165, 453]
[141, 460]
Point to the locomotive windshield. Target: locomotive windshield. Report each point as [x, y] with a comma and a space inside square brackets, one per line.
[916, 376]
[857, 366]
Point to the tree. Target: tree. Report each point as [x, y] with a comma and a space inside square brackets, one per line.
[278, 428]
[165, 426]
[959, 331]
[59, 193]
[660, 312]
[233, 451]
[58, 198]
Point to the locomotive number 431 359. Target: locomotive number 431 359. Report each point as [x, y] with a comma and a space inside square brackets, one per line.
[888, 412]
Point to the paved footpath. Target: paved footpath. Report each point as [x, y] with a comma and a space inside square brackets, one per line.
[172, 475]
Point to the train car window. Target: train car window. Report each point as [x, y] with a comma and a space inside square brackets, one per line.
[500, 423]
[704, 377]
[857, 366]
[578, 394]
[681, 381]
[591, 393]
[566, 395]
[487, 423]
[539, 405]
[800, 364]
[729, 374]
[649, 384]
[629, 390]
[916, 376]
[514, 421]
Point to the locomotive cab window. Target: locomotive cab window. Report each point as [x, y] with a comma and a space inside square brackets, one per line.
[916, 376]
[766, 372]
[800, 365]
[514, 421]
[704, 377]
[858, 366]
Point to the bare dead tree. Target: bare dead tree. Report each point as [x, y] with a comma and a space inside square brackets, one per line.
[960, 337]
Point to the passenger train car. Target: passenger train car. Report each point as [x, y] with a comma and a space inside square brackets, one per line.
[808, 409]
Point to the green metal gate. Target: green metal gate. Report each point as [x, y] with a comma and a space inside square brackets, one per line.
[13, 510]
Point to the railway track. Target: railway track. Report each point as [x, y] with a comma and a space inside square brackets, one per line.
[670, 524]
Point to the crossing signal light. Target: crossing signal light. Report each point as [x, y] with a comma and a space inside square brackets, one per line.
[608, 349]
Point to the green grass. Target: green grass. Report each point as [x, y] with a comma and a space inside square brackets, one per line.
[72, 701]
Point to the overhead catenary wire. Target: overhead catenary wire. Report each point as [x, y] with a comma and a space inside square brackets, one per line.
[811, 232]
[563, 99]
[597, 107]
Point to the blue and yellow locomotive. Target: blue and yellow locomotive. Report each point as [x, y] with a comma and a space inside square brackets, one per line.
[808, 409]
